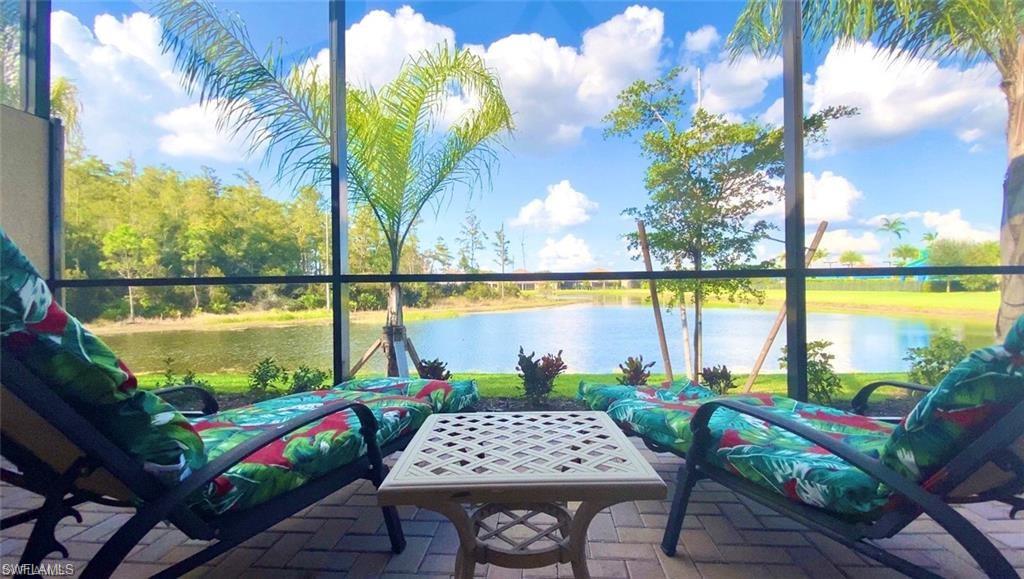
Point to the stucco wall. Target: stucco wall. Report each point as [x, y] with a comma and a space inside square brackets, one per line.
[24, 182]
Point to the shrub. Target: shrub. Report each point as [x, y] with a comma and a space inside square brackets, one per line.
[266, 378]
[929, 364]
[305, 379]
[718, 379]
[189, 378]
[433, 370]
[480, 291]
[822, 382]
[372, 298]
[634, 371]
[539, 375]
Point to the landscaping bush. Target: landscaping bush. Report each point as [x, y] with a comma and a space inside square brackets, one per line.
[189, 378]
[538, 376]
[480, 291]
[718, 379]
[266, 379]
[634, 371]
[929, 364]
[369, 298]
[306, 379]
[433, 370]
[822, 381]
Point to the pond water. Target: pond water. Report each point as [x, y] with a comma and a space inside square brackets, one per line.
[594, 337]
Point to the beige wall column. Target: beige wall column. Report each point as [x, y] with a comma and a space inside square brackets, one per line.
[25, 183]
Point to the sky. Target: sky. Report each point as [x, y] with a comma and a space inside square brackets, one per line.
[928, 144]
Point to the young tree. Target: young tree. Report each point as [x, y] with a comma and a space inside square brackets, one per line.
[850, 258]
[708, 179]
[502, 254]
[471, 239]
[905, 253]
[440, 256]
[129, 255]
[974, 30]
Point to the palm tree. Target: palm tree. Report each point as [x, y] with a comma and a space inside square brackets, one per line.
[895, 227]
[399, 159]
[65, 105]
[905, 253]
[929, 238]
[973, 30]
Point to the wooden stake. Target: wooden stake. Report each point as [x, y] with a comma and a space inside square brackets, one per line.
[366, 357]
[781, 317]
[646, 249]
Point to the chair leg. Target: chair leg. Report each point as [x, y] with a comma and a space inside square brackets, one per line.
[394, 525]
[684, 484]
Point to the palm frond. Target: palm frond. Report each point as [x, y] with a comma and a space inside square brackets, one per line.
[969, 29]
[276, 110]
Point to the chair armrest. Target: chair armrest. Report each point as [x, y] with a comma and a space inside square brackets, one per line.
[210, 405]
[176, 496]
[860, 401]
[872, 467]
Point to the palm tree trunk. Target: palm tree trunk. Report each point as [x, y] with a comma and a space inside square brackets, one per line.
[395, 329]
[1011, 235]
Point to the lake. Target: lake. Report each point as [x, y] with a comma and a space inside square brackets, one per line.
[594, 337]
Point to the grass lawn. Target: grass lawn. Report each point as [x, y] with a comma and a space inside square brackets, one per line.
[509, 385]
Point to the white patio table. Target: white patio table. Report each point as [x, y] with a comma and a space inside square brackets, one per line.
[507, 480]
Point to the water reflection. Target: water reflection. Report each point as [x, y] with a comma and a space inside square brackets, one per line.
[595, 338]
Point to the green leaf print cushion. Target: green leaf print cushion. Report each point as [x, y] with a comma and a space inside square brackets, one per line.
[443, 396]
[976, 393]
[83, 371]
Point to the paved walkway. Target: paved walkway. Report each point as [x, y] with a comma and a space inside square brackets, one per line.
[343, 535]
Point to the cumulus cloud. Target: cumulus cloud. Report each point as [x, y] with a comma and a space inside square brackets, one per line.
[946, 225]
[377, 45]
[564, 206]
[702, 39]
[731, 86]
[839, 240]
[829, 197]
[901, 95]
[192, 132]
[569, 253]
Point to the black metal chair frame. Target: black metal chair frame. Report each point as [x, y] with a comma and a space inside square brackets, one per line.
[157, 502]
[992, 446]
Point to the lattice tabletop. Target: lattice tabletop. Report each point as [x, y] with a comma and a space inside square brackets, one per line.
[516, 471]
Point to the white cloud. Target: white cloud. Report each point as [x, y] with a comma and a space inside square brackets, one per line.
[948, 225]
[839, 240]
[899, 95]
[829, 197]
[563, 207]
[773, 114]
[556, 91]
[952, 225]
[702, 39]
[193, 133]
[569, 253]
[377, 45]
[730, 86]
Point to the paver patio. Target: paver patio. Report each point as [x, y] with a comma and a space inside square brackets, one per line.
[344, 535]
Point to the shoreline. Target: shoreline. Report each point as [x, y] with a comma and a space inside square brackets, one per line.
[962, 306]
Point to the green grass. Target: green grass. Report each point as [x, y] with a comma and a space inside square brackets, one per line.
[509, 386]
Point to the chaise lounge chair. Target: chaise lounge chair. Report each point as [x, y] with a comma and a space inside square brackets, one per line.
[851, 477]
[76, 428]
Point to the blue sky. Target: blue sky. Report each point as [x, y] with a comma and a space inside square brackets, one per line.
[928, 144]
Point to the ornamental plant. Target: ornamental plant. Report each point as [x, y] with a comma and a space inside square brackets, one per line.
[822, 382]
[434, 370]
[929, 364]
[266, 379]
[538, 376]
[306, 379]
[634, 371]
[718, 379]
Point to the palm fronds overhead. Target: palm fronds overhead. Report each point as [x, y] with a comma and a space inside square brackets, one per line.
[277, 110]
[971, 29]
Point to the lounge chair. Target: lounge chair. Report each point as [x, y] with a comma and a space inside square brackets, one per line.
[76, 428]
[851, 477]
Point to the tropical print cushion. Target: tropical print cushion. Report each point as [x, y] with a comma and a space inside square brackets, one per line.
[443, 396]
[301, 456]
[976, 393]
[599, 396]
[83, 371]
[768, 456]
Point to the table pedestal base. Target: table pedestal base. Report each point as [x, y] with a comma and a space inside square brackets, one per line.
[521, 535]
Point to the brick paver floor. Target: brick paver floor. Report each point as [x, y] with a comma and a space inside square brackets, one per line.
[343, 535]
